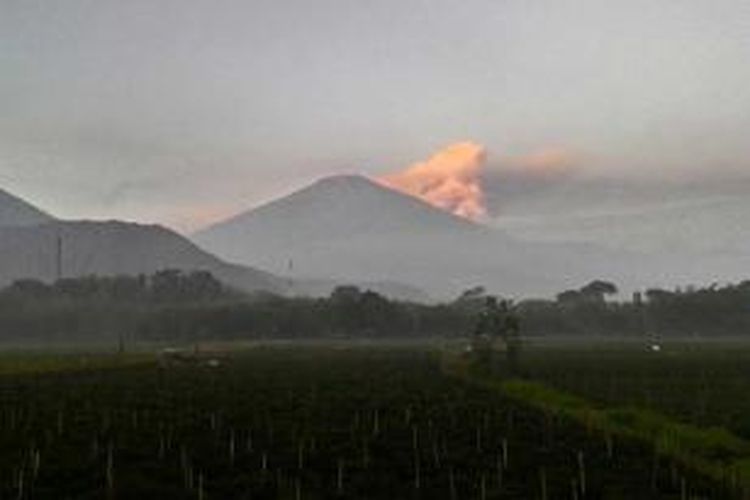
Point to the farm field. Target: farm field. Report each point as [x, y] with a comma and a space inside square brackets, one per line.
[700, 383]
[308, 422]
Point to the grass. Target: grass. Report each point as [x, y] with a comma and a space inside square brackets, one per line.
[36, 362]
[711, 450]
[704, 384]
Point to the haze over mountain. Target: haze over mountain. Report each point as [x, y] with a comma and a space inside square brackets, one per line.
[352, 228]
[29, 242]
[29, 250]
[16, 212]
[701, 226]
[113, 248]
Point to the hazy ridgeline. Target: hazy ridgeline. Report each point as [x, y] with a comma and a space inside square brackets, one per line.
[171, 305]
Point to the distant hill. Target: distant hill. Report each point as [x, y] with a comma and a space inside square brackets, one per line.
[28, 247]
[112, 248]
[16, 212]
[349, 228]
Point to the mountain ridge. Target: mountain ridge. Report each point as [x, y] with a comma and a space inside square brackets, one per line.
[15, 211]
[332, 192]
[112, 248]
[350, 228]
[28, 247]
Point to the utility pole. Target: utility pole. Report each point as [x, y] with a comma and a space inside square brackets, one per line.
[290, 271]
[640, 314]
[59, 258]
[651, 338]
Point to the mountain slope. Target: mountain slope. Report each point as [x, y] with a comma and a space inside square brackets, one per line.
[330, 209]
[111, 248]
[17, 212]
[349, 228]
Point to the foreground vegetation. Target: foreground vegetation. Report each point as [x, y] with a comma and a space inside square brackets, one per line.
[309, 423]
[697, 383]
[712, 450]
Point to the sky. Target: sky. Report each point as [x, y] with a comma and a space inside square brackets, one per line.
[183, 112]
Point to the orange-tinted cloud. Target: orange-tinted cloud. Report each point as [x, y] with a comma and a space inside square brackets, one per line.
[550, 162]
[188, 219]
[516, 180]
[449, 180]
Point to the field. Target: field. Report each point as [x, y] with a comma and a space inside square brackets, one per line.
[308, 422]
[706, 384]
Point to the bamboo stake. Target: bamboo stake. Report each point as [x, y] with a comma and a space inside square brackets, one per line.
[543, 481]
[340, 478]
[582, 473]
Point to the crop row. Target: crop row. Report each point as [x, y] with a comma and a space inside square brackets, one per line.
[307, 423]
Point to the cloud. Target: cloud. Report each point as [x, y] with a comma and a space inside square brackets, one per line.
[552, 162]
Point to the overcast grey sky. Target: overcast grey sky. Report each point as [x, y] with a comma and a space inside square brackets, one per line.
[183, 111]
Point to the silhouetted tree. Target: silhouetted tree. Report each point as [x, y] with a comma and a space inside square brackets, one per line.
[597, 290]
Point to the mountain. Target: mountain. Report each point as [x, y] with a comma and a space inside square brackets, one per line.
[17, 212]
[28, 249]
[349, 228]
[331, 209]
[112, 248]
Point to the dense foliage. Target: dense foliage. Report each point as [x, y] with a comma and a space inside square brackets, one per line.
[693, 312]
[174, 305]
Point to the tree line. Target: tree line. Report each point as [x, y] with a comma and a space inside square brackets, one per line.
[173, 305]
